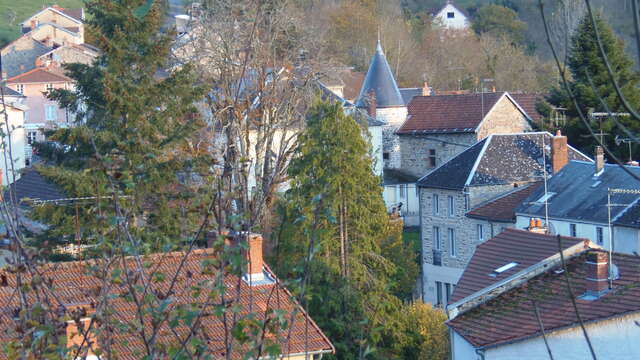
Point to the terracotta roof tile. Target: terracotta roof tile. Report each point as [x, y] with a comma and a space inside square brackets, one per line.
[38, 75]
[76, 285]
[524, 247]
[511, 316]
[503, 208]
[448, 113]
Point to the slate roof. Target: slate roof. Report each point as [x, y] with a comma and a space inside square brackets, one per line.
[380, 80]
[523, 247]
[448, 113]
[581, 196]
[503, 208]
[510, 317]
[32, 185]
[77, 14]
[528, 103]
[359, 114]
[80, 286]
[38, 75]
[496, 160]
[397, 176]
[630, 217]
[409, 93]
[22, 52]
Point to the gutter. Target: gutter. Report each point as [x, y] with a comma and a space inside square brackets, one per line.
[484, 295]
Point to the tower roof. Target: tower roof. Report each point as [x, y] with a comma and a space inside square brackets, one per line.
[380, 81]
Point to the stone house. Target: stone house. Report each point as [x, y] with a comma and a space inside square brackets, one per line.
[71, 20]
[577, 204]
[440, 127]
[483, 172]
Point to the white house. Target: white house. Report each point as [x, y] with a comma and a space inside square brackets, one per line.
[577, 199]
[507, 319]
[451, 17]
[14, 150]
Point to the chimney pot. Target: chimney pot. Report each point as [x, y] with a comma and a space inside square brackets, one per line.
[371, 104]
[559, 152]
[599, 159]
[597, 277]
[538, 223]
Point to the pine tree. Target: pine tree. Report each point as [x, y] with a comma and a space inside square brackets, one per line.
[129, 146]
[336, 232]
[588, 70]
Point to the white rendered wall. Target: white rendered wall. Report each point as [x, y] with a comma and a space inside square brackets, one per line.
[461, 349]
[18, 140]
[458, 22]
[624, 241]
[375, 134]
[443, 274]
[409, 199]
[615, 339]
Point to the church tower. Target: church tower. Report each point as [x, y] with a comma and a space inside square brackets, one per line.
[381, 97]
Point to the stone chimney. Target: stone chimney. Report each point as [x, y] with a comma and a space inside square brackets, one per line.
[559, 152]
[371, 104]
[426, 91]
[255, 262]
[597, 275]
[599, 159]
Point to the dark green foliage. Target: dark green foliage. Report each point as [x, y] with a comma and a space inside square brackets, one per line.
[588, 71]
[500, 21]
[130, 145]
[335, 200]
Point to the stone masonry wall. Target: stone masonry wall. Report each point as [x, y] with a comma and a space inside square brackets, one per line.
[504, 118]
[414, 150]
[394, 117]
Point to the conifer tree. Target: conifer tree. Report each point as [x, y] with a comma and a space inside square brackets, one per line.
[335, 231]
[588, 71]
[129, 153]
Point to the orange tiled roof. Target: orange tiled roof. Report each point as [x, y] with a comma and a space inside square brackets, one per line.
[74, 284]
[39, 75]
[511, 316]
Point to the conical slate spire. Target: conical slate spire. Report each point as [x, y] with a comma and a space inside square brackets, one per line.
[380, 81]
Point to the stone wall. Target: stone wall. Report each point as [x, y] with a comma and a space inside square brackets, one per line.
[503, 118]
[414, 150]
[394, 117]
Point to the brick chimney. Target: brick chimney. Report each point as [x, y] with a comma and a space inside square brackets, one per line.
[597, 276]
[426, 91]
[559, 152]
[599, 159]
[255, 262]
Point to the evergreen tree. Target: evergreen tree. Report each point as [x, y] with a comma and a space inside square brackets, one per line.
[128, 152]
[588, 71]
[336, 232]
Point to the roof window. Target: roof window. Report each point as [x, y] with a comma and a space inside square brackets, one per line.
[545, 197]
[503, 268]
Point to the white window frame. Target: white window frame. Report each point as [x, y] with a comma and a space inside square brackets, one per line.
[403, 191]
[599, 235]
[480, 231]
[451, 234]
[20, 88]
[49, 87]
[438, 293]
[32, 136]
[436, 238]
[573, 230]
[452, 203]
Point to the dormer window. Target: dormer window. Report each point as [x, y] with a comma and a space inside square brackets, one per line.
[503, 269]
[451, 15]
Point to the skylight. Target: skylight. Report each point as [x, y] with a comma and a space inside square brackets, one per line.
[545, 197]
[504, 268]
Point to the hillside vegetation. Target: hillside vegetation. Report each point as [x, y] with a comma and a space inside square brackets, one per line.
[13, 12]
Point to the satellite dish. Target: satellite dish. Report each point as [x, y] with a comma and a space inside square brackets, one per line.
[618, 140]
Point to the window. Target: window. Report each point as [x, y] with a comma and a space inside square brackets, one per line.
[436, 238]
[451, 15]
[436, 204]
[452, 243]
[572, 230]
[20, 88]
[51, 112]
[599, 235]
[438, 293]
[31, 137]
[503, 268]
[480, 230]
[385, 156]
[49, 87]
[403, 190]
[432, 158]
[447, 291]
[452, 211]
